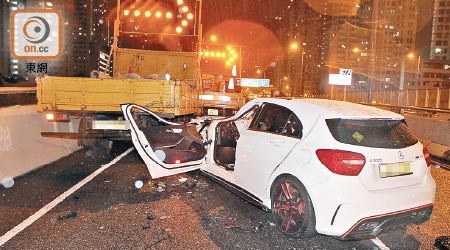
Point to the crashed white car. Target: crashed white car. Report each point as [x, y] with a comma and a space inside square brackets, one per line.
[320, 166]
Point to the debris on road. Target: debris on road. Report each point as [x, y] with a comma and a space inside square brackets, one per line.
[182, 180]
[208, 219]
[64, 217]
[159, 241]
[442, 242]
[68, 216]
[230, 224]
[138, 184]
[190, 184]
[7, 182]
[217, 210]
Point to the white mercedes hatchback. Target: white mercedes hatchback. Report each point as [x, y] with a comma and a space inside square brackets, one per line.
[320, 166]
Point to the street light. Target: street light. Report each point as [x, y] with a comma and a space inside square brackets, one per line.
[411, 55]
[294, 46]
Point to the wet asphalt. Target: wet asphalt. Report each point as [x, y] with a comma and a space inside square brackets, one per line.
[110, 213]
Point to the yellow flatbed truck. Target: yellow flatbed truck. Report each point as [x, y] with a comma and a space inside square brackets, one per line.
[95, 102]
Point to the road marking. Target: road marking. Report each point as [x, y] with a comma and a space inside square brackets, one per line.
[30, 220]
[380, 244]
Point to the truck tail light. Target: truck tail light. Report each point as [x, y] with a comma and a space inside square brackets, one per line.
[57, 117]
[50, 117]
[341, 162]
[426, 155]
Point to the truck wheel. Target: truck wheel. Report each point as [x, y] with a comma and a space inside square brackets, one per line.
[103, 146]
[100, 146]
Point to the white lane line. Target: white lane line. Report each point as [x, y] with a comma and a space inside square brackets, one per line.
[30, 220]
[380, 244]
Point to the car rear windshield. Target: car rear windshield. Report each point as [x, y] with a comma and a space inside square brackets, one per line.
[372, 133]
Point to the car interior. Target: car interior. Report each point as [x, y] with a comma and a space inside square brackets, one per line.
[175, 144]
[225, 146]
[227, 134]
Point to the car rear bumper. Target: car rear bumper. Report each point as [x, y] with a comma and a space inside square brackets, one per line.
[372, 226]
[342, 204]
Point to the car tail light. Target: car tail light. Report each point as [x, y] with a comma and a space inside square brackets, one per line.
[177, 161]
[426, 155]
[341, 162]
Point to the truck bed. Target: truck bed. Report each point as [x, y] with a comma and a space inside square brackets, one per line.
[94, 94]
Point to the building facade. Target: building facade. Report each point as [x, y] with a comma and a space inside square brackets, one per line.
[440, 45]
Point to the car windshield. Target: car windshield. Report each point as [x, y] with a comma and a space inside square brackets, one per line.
[372, 133]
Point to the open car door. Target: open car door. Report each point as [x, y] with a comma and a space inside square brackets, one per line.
[166, 150]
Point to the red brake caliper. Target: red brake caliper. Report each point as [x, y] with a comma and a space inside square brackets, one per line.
[301, 207]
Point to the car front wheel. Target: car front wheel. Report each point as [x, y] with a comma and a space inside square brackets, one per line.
[292, 209]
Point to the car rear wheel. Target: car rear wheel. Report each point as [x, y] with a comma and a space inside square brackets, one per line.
[292, 209]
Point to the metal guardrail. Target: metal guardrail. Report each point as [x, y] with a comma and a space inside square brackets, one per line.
[16, 90]
[427, 100]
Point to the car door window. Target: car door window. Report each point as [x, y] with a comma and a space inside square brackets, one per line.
[293, 127]
[279, 120]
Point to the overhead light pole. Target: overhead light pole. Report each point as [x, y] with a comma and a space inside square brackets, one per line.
[294, 46]
[116, 37]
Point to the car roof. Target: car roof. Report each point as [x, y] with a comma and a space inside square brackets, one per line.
[331, 108]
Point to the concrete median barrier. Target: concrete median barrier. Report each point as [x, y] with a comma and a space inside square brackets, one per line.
[22, 148]
[433, 133]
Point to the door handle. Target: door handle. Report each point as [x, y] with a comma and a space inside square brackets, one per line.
[276, 142]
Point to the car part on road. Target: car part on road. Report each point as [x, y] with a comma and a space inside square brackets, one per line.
[7, 182]
[442, 242]
[292, 209]
[67, 216]
[138, 184]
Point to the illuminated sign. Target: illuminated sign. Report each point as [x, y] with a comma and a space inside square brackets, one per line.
[253, 82]
[343, 78]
